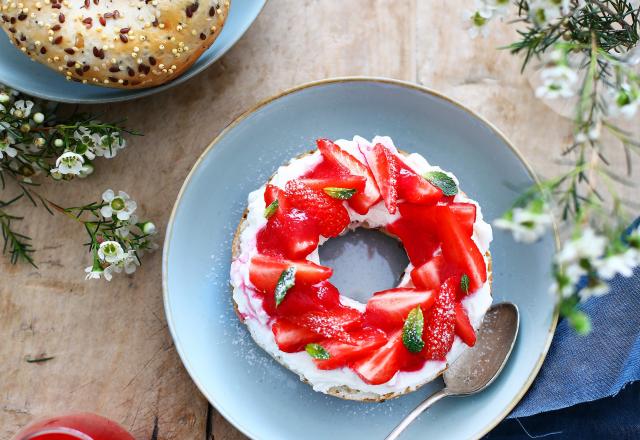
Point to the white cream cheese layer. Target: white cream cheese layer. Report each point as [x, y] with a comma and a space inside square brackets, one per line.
[250, 305]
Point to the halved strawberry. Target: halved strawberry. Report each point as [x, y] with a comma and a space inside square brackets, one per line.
[331, 215]
[459, 249]
[340, 181]
[361, 202]
[340, 354]
[383, 363]
[419, 242]
[465, 213]
[292, 338]
[331, 324]
[265, 271]
[464, 329]
[416, 189]
[384, 167]
[440, 323]
[389, 308]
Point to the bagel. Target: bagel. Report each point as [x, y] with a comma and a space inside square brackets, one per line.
[114, 43]
[352, 391]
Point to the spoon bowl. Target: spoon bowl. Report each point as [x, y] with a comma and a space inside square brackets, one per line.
[479, 365]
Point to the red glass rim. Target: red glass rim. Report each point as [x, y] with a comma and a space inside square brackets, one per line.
[73, 434]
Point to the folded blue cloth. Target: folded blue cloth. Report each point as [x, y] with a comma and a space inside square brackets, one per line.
[615, 417]
[586, 368]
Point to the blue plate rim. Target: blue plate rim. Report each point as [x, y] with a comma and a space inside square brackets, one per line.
[191, 72]
[263, 103]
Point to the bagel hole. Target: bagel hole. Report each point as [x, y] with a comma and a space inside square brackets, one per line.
[364, 261]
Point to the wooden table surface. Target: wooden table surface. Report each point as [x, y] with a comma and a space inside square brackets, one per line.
[113, 352]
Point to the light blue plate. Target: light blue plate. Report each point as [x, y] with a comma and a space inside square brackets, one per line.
[20, 72]
[263, 399]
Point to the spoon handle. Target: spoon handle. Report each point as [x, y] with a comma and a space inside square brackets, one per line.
[416, 412]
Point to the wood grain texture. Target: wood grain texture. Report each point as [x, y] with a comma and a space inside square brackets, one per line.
[113, 353]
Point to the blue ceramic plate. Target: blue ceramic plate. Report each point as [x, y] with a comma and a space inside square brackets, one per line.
[19, 72]
[263, 399]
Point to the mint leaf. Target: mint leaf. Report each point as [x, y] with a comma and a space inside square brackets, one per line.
[340, 193]
[317, 351]
[412, 330]
[464, 283]
[271, 209]
[443, 181]
[286, 281]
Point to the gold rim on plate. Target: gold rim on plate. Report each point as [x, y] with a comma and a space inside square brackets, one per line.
[308, 85]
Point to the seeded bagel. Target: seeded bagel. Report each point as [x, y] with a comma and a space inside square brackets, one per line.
[343, 391]
[114, 43]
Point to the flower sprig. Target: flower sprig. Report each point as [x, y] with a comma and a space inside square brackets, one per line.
[35, 139]
[589, 56]
[37, 143]
[117, 238]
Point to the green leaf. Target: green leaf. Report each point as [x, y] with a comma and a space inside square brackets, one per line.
[464, 283]
[286, 281]
[443, 181]
[412, 330]
[271, 209]
[340, 193]
[317, 351]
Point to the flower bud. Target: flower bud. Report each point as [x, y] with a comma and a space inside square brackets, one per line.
[39, 142]
[58, 143]
[4, 98]
[148, 228]
[25, 128]
[38, 118]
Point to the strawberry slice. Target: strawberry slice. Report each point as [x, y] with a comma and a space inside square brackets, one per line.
[427, 216]
[362, 201]
[465, 213]
[419, 242]
[383, 363]
[433, 273]
[463, 326]
[459, 249]
[416, 189]
[292, 338]
[303, 298]
[331, 215]
[429, 275]
[288, 234]
[440, 323]
[271, 193]
[265, 271]
[384, 166]
[331, 324]
[342, 181]
[389, 308]
[341, 354]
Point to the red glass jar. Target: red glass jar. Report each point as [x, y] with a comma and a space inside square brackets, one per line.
[79, 426]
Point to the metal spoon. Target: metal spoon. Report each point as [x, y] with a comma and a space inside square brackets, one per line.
[478, 366]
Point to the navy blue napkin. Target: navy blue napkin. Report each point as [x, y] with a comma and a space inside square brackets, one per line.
[582, 369]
